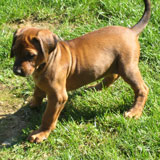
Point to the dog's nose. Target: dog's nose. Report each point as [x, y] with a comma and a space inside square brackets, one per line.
[17, 70]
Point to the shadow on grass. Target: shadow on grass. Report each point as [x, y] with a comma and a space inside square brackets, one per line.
[77, 113]
[14, 128]
[12, 125]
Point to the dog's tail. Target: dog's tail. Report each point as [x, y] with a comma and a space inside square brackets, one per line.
[138, 28]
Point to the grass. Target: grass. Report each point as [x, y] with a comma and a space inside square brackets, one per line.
[92, 125]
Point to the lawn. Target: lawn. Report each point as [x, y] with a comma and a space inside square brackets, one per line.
[92, 125]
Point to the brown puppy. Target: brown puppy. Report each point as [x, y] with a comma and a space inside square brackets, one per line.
[60, 66]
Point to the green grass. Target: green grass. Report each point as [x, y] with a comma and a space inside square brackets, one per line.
[92, 125]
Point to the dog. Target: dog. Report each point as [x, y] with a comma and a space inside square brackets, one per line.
[59, 66]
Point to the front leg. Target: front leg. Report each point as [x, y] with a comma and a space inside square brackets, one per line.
[56, 102]
[37, 97]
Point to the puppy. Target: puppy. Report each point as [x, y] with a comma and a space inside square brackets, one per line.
[60, 66]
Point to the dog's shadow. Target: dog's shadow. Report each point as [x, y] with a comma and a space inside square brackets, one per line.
[12, 125]
[14, 128]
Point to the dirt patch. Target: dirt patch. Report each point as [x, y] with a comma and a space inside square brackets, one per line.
[13, 116]
[30, 23]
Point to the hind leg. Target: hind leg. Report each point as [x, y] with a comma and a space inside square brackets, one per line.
[37, 98]
[133, 77]
[107, 81]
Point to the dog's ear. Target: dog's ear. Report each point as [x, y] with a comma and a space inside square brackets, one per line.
[45, 41]
[16, 33]
[13, 43]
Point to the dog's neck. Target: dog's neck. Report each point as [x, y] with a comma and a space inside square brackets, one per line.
[42, 67]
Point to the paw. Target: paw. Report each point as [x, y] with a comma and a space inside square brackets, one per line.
[38, 136]
[133, 113]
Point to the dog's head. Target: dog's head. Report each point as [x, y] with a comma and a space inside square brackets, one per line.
[31, 48]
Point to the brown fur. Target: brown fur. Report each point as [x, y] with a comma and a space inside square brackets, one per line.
[60, 66]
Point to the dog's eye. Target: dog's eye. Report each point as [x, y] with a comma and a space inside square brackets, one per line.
[30, 56]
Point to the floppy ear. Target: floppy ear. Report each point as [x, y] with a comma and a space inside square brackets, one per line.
[45, 41]
[13, 42]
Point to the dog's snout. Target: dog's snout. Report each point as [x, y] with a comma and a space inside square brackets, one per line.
[18, 71]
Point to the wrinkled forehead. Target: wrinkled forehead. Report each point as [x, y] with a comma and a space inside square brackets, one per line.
[24, 37]
[19, 44]
[22, 44]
